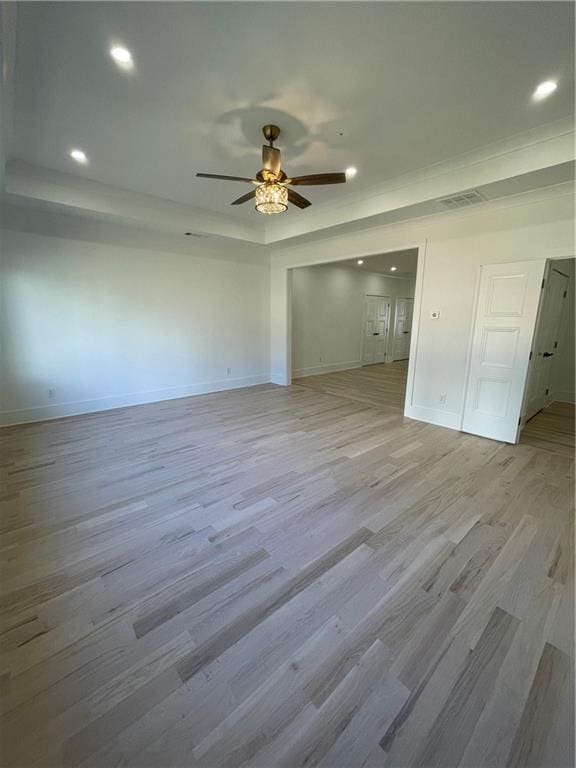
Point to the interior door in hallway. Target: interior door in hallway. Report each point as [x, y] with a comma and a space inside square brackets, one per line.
[545, 343]
[376, 322]
[403, 328]
[506, 311]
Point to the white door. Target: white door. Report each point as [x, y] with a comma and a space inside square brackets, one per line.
[545, 341]
[403, 328]
[504, 325]
[376, 320]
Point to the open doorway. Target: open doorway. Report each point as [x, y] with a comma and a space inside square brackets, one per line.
[548, 410]
[352, 327]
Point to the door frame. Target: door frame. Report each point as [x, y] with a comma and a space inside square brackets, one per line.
[545, 260]
[389, 303]
[281, 357]
[489, 429]
[547, 268]
[281, 336]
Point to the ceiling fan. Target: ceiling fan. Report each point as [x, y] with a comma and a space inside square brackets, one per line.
[271, 185]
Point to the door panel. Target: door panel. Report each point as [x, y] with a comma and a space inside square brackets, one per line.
[403, 328]
[545, 342]
[499, 347]
[503, 329]
[376, 322]
[507, 295]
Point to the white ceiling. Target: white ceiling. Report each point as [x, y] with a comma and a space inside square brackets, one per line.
[387, 87]
[443, 118]
[405, 262]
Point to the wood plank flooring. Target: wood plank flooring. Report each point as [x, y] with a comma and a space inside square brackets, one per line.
[552, 429]
[381, 385]
[280, 577]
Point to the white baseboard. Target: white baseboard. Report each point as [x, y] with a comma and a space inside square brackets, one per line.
[440, 418]
[315, 370]
[563, 397]
[279, 378]
[78, 407]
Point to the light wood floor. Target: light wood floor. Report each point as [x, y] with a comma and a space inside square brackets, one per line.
[382, 385]
[283, 577]
[552, 429]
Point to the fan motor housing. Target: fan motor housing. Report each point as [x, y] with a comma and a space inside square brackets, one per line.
[271, 132]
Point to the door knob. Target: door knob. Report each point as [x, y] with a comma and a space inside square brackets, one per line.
[375, 334]
[548, 354]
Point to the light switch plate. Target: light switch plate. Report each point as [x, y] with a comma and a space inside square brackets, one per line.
[435, 314]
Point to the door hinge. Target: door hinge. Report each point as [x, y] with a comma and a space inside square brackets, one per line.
[547, 392]
[519, 420]
[543, 283]
[555, 345]
[564, 294]
[531, 353]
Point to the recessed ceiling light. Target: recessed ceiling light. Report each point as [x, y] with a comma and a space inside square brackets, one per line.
[393, 269]
[545, 89]
[351, 172]
[122, 56]
[360, 262]
[79, 156]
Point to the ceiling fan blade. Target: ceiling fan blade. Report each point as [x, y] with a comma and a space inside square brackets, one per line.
[298, 200]
[271, 159]
[244, 198]
[225, 178]
[318, 178]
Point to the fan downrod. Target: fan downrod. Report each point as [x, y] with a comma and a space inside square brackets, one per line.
[271, 133]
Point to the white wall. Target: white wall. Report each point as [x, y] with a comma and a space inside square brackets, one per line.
[533, 226]
[327, 315]
[104, 326]
[564, 363]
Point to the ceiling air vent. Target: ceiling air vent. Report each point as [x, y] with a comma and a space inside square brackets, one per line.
[463, 200]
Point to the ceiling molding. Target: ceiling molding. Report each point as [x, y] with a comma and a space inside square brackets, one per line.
[91, 198]
[548, 146]
[19, 215]
[536, 159]
[407, 233]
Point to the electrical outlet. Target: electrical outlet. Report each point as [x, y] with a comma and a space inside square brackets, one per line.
[443, 399]
[51, 393]
[228, 371]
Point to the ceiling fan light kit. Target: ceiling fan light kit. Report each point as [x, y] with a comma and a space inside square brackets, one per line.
[271, 198]
[271, 183]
